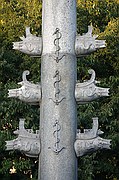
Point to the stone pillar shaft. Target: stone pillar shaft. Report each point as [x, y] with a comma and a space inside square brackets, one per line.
[59, 14]
[58, 78]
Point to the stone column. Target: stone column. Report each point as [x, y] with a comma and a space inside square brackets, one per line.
[58, 115]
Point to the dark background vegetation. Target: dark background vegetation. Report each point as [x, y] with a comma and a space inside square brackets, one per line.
[103, 15]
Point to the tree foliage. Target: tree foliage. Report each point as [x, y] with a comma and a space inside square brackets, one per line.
[16, 15]
[103, 15]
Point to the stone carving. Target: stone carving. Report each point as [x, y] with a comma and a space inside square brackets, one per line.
[31, 44]
[89, 141]
[87, 43]
[27, 141]
[57, 77]
[29, 92]
[84, 45]
[57, 149]
[88, 91]
[57, 56]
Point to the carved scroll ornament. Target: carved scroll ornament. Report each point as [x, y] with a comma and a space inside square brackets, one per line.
[87, 43]
[29, 92]
[31, 44]
[84, 45]
[27, 141]
[88, 91]
[89, 141]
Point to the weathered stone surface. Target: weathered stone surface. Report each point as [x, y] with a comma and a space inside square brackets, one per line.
[84, 45]
[88, 91]
[87, 43]
[30, 44]
[61, 15]
[58, 119]
[89, 141]
[27, 141]
[83, 147]
[84, 92]
[29, 92]
[58, 78]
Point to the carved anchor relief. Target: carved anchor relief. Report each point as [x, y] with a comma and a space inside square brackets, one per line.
[57, 56]
[57, 76]
[57, 149]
